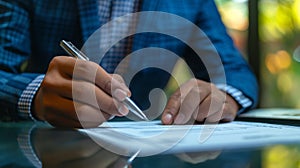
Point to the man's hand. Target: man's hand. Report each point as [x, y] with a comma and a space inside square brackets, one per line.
[77, 93]
[199, 101]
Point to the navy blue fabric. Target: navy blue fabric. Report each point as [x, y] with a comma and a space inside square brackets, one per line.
[30, 32]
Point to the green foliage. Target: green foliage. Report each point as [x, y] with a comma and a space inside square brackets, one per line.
[279, 26]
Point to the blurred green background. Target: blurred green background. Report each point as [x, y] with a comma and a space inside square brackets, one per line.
[279, 57]
[279, 44]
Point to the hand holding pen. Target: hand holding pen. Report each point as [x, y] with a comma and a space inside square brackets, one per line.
[73, 51]
[93, 88]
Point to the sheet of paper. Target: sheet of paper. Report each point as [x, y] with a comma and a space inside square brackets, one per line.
[152, 138]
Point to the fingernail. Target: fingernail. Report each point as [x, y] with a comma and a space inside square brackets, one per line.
[119, 94]
[168, 119]
[179, 119]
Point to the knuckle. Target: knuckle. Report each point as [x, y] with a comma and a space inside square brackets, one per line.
[78, 94]
[218, 97]
[117, 81]
[108, 86]
[194, 81]
[213, 86]
[48, 83]
[84, 92]
[82, 68]
[85, 66]
[202, 82]
[79, 89]
[112, 107]
[176, 96]
[196, 90]
[56, 61]
[214, 98]
[118, 78]
[85, 69]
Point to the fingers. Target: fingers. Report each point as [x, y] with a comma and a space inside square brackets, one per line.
[75, 79]
[62, 112]
[89, 94]
[200, 101]
[86, 93]
[189, 105]
[86, 85]
[88, 71]
[171, 108]
[118, 80]
[202, 112]
[182, 103]
[230, 109]
[91, 72]
[217, 107]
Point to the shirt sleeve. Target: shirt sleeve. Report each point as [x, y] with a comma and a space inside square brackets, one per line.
[238, 73]
[26, 99]
[239, 97]
[15, 51]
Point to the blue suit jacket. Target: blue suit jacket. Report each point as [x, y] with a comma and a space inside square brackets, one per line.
[30, 32]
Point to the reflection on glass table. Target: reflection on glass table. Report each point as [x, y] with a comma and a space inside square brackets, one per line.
[67, 148]
[43, 146]
[28, 145]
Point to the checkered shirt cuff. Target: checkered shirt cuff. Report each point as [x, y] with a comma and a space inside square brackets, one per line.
[24, 103]
[239, 97]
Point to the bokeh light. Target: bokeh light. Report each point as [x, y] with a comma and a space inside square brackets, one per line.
[278, 62]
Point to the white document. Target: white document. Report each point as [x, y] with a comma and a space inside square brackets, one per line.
[150, 138]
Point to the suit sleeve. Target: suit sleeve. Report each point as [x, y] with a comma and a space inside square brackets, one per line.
[237, 71]
[14, 52]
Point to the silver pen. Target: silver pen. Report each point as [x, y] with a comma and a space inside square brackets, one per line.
[73, 51]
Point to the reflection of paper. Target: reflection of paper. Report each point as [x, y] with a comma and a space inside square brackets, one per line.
[153, 138]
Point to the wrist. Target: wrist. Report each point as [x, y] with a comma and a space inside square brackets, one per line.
[238, 96]
[235, 106]
[36, 111]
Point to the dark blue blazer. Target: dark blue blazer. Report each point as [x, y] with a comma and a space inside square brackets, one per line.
[30, 32]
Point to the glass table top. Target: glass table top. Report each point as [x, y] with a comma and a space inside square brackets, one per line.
[26, 144]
